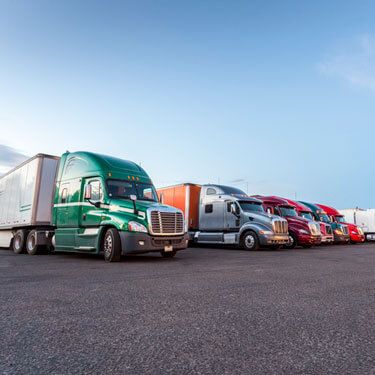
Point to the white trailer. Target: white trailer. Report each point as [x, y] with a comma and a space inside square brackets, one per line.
[26, 196]
[364, 218]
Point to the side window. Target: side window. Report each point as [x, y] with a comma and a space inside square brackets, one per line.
[208, 209]
[96, 190]
[211, 191]
[64, 195]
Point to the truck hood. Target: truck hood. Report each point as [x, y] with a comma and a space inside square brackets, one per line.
[352, 227]
[262, 216]
[140, 205]
[297, 221]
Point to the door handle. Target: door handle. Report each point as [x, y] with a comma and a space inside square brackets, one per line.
[84, 216]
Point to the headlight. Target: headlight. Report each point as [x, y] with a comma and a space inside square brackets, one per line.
[303, 231]
[265, 232]
[338, 231]
[133, 226]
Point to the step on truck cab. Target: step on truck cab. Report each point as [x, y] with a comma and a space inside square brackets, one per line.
[87, 203]
[303, 232]
[340, 231]
[306, 212]
[217, 214]
[356, 233]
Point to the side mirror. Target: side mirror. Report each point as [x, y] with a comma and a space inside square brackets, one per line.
[88, 192]
[234, 210]
[133, 197]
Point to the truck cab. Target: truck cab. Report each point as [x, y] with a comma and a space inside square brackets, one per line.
[306, 212]
[340, 231]
[108, 204]
[218, 214]
[303, 232]
[356, 233]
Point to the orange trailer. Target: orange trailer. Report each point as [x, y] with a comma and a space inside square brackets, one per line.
[186, 198]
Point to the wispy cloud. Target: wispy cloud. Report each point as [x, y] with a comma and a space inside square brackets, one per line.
[354, 62]
[9, 157]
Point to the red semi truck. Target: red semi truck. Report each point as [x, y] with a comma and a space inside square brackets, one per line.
[355, 232]
[306, 212]
[302, 232]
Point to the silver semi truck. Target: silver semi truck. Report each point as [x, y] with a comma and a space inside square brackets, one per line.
[217, 214]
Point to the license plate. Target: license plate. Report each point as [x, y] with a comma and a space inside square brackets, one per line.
[168, 248]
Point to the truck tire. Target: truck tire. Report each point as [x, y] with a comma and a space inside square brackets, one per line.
[293, 242]
[168, 254]
[249, 241]
[111, 246]
[19, 241]
[31, 246]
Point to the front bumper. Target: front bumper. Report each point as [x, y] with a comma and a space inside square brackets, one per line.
[308, 239]
[139, 243]
[329, 238]
[342, 238]
[356, 237]
[273, 239]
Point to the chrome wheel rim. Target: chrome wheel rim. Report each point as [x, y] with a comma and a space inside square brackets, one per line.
[17, 242]
[249, 241]
[291, 240]
[108, 246]
[31, 243]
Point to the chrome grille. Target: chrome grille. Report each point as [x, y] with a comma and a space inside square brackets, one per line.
[166, 223]
[328, 229]
[345, 229]
[314, 229]
[280, 227]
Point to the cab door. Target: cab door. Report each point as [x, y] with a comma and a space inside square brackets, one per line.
[67, 214]
[231, 221]
[91, 215]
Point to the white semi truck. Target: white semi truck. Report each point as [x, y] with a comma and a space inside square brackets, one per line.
[364, 218]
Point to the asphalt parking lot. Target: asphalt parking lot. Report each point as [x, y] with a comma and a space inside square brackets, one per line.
[207, 311]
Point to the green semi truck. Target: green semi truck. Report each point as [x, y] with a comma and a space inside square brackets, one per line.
[87, 203]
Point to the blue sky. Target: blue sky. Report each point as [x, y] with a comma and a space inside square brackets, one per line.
[278, 96]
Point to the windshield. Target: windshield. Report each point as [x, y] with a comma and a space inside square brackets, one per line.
[251, 206]
[306, 215]
[340, 219]
[232, 191]
[324, 218]
[124, 189]
[287, 211]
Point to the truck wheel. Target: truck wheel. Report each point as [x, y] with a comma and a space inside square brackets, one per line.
[31, 246]
[249, 241]
[19, 241]
[111, 246]
[292, 242]
[168, 254]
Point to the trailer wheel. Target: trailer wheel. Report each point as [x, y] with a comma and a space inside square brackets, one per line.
[31, 246]
[111, 246]
[292, 242]
[19, 241]
[249, 241]
[168, 254]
